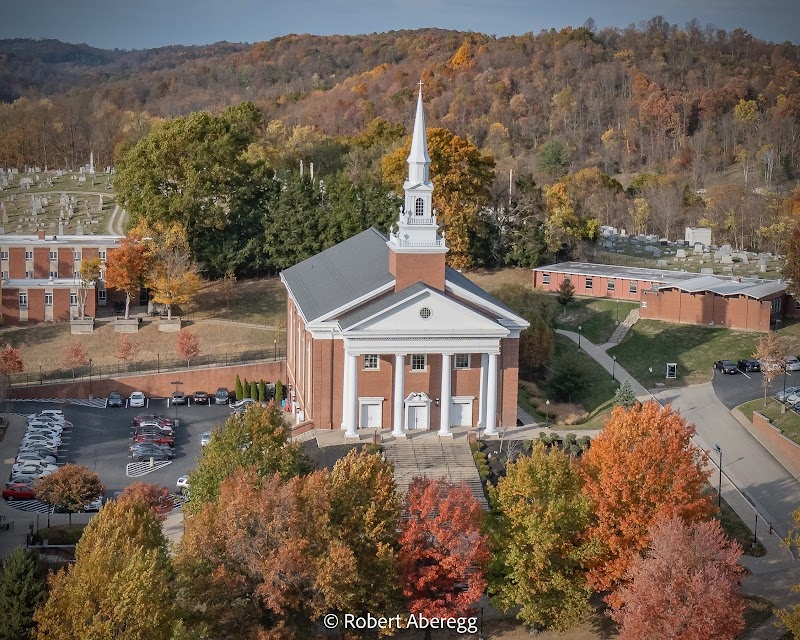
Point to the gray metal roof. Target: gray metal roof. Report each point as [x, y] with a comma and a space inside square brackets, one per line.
[341, 274]
[615, 271]
[459, 279]
[386, 302]
[750, 287]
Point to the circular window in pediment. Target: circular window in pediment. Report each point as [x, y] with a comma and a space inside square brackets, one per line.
[425, 313]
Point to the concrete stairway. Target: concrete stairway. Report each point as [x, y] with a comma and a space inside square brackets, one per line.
[622, 327]
[433, 457]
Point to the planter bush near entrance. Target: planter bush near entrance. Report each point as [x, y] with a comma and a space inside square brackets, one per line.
[171, 325]
[131, 325]
[81, 325]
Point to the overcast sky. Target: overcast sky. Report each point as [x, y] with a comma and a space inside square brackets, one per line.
[137, 24]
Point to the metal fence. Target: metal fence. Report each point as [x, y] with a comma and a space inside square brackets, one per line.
[165, 363]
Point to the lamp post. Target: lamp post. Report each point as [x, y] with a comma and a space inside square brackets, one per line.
[40, 373]
[546, 413]
[719, 490]
[275, 343]
[783, 406]
[614, 367]
[90, 378]
[652, 381]
[176, 383]
[579, 337]
[617, 311]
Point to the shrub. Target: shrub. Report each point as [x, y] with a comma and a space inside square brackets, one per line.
[262, 391]
[245, 390]
[254, 390]
[238, 388]
[278, 392]
[569, 439]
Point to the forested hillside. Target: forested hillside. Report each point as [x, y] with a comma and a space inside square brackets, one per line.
[646, 127]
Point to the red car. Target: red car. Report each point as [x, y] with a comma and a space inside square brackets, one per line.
[155, 439]
[19, 491]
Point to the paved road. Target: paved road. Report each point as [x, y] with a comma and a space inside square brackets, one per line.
[760, 477]
[733, 390]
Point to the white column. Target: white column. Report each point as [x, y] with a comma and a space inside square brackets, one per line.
[352, 395]
[399, 394]
[445, 398]
[482, 393]
[491, 396]
[345, 393]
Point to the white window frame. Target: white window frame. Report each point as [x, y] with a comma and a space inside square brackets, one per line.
[73, 299]
[369, 364]
[588, 283]
[101, 295]
[633, 286]
[53, 275]
[546, 278]
[797, 305]
[419, 207]
[463, 364]
[23, 299]
[48, 299]
[415, 362]
[54, 255]
[29, 275]
[28, 255]
[3, 255]
[4, 275]
[776, 305]
[101, 254]
[611, 286]
[76, 255]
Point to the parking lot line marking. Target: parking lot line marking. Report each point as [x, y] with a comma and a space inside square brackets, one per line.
[745, 375]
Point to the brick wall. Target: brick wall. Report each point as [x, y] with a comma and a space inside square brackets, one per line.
[786, 451]
[158, 384]
[410, 268]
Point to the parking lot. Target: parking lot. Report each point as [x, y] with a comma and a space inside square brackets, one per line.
[100, 439]
[733, 390]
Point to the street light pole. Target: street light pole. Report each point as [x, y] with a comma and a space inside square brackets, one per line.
[90, 378]
[719, 490]
[40, 373]
[614, 367]
[176, 383]
[546, 413]
[275, 343]
[652, 380]
[579, 337]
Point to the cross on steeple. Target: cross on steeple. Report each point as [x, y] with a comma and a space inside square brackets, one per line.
[420, 85]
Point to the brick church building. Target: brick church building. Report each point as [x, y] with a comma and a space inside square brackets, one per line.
[381, 333]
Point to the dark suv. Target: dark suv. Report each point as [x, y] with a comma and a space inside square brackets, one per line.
[201, 397]
[726, 366]
[221, 396]
[749, 364]
[114, 399]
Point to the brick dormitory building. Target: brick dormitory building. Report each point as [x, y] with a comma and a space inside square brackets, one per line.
[40, 276]
[748, 304]
[381, 333]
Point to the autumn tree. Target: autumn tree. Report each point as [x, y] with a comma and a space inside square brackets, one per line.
[642, 467]
[89, 274]
[10, 361]
[155, 496]
[771, 352]
[442, 550]
[127, 349]
[258, 440]
[125, 268]
[791, 617]
[120, 585]
[172, 276]
[364, 513]
[685, 586]
[461, 177]
[75, 355]
[70, 488]
[227, 287]
[23, 588]
[187, 345]
[540, 555]
[566, 293]
[262, 559]
[791, 262]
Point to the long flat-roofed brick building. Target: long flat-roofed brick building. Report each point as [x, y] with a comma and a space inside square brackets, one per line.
[748, 304]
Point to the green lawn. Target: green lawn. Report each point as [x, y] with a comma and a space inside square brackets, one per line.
[652, 343]
[597, 318]
[788, 422]
[599, 386]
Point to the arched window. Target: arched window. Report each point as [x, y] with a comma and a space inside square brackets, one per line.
[419, 207]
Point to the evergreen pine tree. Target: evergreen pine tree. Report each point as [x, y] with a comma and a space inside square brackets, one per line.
[238, 388]
[262, 391]
[278, 392]
[254, 390]
[624, 396]
[245, 390]
[22, 590]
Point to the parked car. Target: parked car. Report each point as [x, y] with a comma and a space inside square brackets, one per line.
[35, 456]
[726, 366]
[782, 395]
[43, 448]
[201, 397]
[792, 399]
[145, 452]
[23, 478]
[51, 412]
[153, 427]
[52, 417]
[114, 399]
[205, 438]
[178, 397]
[748, 365]
[45, 431]
[221, 396]
[155, 439]
[240, 406]
[32, 468]
[43, 425]
[41, 438]
[94, 505]
[137, 399]
[19, 491]
[152, 417]
[182, 485]
[792, 363]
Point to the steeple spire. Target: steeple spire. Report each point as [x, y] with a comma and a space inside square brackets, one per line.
[418, 159]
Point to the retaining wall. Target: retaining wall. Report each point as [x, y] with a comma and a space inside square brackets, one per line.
[784, 450]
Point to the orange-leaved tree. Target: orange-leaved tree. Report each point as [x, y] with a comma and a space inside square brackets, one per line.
[75, 355]
[10, 361]
[127, 349]
[187, 345]
[125, 268]
[70, 488]
[442, 551]
[154, 496]
[641, 468]
[771, 352]
[686, 586]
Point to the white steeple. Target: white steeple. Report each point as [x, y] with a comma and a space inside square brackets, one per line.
[417, 230]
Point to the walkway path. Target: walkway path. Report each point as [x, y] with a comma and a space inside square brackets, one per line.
[622, 329]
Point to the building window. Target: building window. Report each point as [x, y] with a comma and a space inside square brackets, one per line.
[589, 284]
[425, 313]
[797, 305]
[775, 306]
[53, 275]
[419, 362]
[3, 255]
[611, 286]
[101, 254]
[73, 299]
[545, 278]
[633, 287]
[370, 362]
[29, 255]
[48, 299]
[76, 255]
[23, 299]
[101, 295]
[461, 361]
[29, 274]
[54, 255]
[4, 275]
[419, 207]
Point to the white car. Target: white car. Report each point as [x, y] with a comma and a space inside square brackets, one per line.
[49, 413]
[40, 438]
[205, 438]
[47, 416]
[35, 457]
[792, 363]
[137, 399]
[38, 448]
[38, 426]
[94, 505]
[31, 468]
[182, 485]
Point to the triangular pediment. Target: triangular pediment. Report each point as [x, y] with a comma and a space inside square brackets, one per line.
[420, 311]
